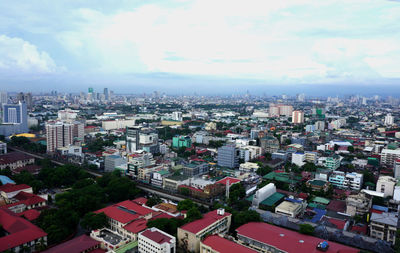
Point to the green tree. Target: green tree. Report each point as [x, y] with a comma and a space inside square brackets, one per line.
[154, 200]
[306, 229]
[184, 191]
[185, 204]
[93, 221]
[245, 217]
[193, 214]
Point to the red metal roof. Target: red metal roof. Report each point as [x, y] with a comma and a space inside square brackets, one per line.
[208, 219]
[20, 230]
[13, 157]
[140, 201]
[125, 211]
[78, 244]
[157, 236]
[287, 240]
[136, 226]
[223, 245]
[7, 188]
[30, 214]
[25, 198]
[232, 181]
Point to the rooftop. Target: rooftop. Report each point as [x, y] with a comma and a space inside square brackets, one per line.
[287, 240]
[13, 157]
[78, 244]
[157, 236]
[385, 218]
[19, 230]
[232, 180]
[223, 245]
[7, 188]
[208, 219]
[125, 211]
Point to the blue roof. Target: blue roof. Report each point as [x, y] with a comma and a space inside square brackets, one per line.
[380, 208]
[6, 180]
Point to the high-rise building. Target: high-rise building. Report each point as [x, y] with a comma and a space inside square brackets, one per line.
[397, 169]
[16, 114]
[297, 117]
[27, 98]
[132, 139]
[177, 116]
[106, 94]
[228, 156]
[58, 134]
[389, 120]
[3, 97]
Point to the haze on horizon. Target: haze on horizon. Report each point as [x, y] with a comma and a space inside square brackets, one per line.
[201, 46]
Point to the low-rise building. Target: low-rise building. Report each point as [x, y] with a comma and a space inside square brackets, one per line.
[218, 244]
[384, 225]
[18, 234]
[191, 234]
[3, 148]
[153, 240]
[290, 208]
[79, 244]
[264, 237]
[298, 159]
[112, 161]
[358, 204]
[15, 160]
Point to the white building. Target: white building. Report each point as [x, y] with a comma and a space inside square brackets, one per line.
[389, 156]
[386, 185]
[389, 120]
[117, 124]
[67, 114]
[71, 150]
[320, 125]
[397, 169]
[177, 116]
[263, 193]
[298, 159]
[297, 117]
[153, 240]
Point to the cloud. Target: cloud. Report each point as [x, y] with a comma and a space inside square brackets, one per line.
[20, 56]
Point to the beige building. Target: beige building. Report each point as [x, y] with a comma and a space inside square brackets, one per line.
[386, 185]
[191, 234]
[58, 135]
[290, 209]
[383, 226]
[358, 204]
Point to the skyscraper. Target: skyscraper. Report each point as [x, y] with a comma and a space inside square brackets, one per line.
[132, 139]
[58, 134]
[3, 97]
[297, 117]
[16, 114]
[106, 94]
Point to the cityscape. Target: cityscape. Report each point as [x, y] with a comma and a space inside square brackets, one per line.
[199, 126]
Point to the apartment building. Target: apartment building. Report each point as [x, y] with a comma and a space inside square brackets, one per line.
[386, 185]
[344, 180]
[390, 156]
[191, 234]
[384, 225]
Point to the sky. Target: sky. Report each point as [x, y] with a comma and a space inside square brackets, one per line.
[203, 46]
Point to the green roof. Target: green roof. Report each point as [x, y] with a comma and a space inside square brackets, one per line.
[273, 199]
[282, 177]
[163, 172]
[317, 182]
[321, 200]
[250, 198]
[127, 247]
[370, 184]
[315, 205]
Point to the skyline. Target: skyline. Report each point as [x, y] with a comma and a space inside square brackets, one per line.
[171, 46]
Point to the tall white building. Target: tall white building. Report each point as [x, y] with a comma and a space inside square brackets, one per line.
[153, 240]
[3, 97]
[297, 117]
[177, 116]
[320, 125]
[389, 120]
[299, 159]
[397, 169]
[58, 134]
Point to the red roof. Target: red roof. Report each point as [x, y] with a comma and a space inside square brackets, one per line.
[223, 245]
[287, 240]
[32, 168]
[30, 214]
[158, 215]
[359, 229]
[20, 230]
[157, 236]
[140, 201]
[338, 223]
[13, 157]
[232, 181]
[7, 188]
[337, 206]
[125, 211]
[208, 219]
[28, 199]
[78, 244]
[136, 226]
